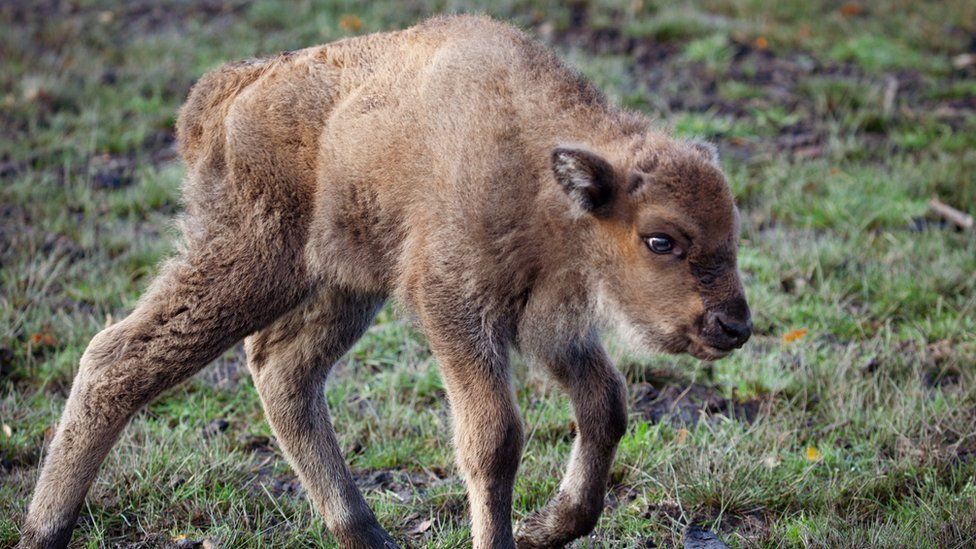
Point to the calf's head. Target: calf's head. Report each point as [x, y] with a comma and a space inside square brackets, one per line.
[662, 242]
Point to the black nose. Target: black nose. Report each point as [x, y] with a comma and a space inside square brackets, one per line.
[735, 332]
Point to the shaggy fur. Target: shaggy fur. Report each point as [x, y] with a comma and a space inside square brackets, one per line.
[459, 168]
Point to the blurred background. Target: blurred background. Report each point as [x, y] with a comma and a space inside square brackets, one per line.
[848, 420]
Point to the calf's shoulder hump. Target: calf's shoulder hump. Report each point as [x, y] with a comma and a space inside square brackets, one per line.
[202, 115]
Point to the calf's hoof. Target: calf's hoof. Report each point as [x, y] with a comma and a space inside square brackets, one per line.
[557, 524]
[371, 536]
[53, 539]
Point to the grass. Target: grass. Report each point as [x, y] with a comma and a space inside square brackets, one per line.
[862, 430]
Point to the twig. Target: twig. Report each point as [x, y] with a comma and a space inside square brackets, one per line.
[950, 214]
[964, 60]
[891, 91]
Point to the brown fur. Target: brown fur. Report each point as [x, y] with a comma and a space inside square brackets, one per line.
[459, 168]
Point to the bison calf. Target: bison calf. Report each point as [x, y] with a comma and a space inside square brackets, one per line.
[459, 168]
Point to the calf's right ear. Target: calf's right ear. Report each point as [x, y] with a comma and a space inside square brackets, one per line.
[585, 176]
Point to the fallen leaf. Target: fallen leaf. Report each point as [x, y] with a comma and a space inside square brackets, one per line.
[813, 454]
[794, 335]
[43, 339]
[350, 23]
[851, 9]
[49, 433]
[812, 151]
[682, 435]
[8, 431]
[34, 90]
[761, 43]
[804, 32]
[421, 527]
[908, 449]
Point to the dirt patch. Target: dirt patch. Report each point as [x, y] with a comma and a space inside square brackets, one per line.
[6, 361]
[227, 371]
[940, 362]
[19, 458]
[405, 486]
[937, 365]
[128, 19]
[619, 495]
[666, 510]
[104, 171]
[773, 86]
[687, 404]
[752, 527]
[111, 172]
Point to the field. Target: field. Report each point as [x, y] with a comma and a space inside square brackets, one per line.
[849, 420]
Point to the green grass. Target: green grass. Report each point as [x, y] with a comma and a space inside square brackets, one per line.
[832, 172]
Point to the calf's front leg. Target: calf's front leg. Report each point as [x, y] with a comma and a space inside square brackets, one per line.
[488, 435]
[598, 394]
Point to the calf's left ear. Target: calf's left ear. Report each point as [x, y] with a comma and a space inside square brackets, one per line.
[585, 176]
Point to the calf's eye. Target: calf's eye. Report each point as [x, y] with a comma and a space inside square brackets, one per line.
[660, 244]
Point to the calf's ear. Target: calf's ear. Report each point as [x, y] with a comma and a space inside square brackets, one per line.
[585, 176]
[707, 150]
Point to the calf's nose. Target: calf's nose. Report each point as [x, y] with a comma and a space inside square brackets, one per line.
[735, 331]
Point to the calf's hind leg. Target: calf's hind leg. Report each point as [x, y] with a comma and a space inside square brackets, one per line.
[289, 362]
[202, 303]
